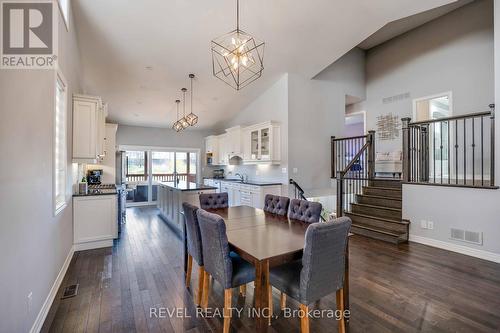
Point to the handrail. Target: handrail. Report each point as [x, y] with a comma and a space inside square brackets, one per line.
[348, 137]
[300, 192]
[464, 116]
[356, 157]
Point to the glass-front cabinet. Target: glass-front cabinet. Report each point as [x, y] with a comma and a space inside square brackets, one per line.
[262, 143]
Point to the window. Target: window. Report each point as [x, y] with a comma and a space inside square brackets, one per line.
[60, 144]
[137, 165]
[64, 8]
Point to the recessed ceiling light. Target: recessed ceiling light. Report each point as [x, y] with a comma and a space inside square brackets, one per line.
[149, 68]
[136, 115]
[139, 102]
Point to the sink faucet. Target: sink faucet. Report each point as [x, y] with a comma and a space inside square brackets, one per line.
[241, 177]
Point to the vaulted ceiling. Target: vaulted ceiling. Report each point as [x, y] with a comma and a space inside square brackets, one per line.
[138, 54]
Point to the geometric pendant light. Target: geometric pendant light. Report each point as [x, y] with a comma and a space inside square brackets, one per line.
[191, 118]
[237, 57]
[177, 124]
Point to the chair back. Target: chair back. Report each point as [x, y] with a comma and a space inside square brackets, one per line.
[306, 211]
[323, 261]
[193, 232]
[214, 200]
[215, 247]
[276, 204]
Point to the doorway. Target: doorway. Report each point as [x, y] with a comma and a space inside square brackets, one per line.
[146, 168]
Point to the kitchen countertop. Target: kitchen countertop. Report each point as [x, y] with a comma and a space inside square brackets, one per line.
[97, 192]
[187, 186]
[248, 182]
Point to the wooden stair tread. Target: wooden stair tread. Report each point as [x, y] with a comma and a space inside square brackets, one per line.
[380, 197]
[405, 222]
[377, 207]
[383, 188]
[379, 230]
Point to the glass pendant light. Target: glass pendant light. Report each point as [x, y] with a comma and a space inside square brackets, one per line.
[177, 124]
[237, 57]
[183, 120]
[191, 118]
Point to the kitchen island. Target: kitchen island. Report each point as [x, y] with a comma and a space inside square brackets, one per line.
[171, 195]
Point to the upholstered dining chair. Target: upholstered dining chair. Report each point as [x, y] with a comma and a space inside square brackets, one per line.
[305, 211]
[320, 272]
[276, 204]
[214, 200]
[226, 267]
[194, 251]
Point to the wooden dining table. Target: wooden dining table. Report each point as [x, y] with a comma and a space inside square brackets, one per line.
[266, 240]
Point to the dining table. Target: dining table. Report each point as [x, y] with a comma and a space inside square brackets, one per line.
[265, 240]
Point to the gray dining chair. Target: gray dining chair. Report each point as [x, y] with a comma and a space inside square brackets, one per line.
[214, 200]
[194, 250]
[226, 267]
[304, 210]
[319, 273]
[276, 204]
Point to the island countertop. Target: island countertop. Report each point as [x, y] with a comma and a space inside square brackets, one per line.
[187, 186]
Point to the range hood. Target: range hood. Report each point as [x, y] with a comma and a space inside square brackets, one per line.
[235, 160]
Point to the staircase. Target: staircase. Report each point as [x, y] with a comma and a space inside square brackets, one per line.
[376, 212]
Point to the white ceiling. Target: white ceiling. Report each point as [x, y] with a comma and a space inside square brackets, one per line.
[137, 54]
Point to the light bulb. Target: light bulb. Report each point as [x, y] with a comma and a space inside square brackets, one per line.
[244, 60]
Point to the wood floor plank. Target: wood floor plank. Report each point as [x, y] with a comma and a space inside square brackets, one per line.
[394, 288]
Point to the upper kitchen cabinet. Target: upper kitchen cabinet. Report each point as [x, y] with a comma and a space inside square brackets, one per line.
[234, 141]
[89, 119]
[212, 150]
[262, 143]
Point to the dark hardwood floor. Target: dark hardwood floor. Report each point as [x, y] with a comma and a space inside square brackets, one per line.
[405, 288]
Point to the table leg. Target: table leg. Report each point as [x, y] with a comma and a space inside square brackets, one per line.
[261, 294]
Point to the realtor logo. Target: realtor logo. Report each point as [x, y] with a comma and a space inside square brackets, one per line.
[28, 34]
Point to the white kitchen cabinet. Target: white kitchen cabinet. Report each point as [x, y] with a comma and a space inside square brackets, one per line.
[248, 194]
[223, 149]
[89, 117]
[212, 149]
[262, 144]
[233, 145]
[95, 221]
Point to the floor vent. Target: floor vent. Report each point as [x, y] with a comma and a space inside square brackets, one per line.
[70, 291]
[467, 236]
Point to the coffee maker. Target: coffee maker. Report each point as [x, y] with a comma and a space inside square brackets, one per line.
[94, 177]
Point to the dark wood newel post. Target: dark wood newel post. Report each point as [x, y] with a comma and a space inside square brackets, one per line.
[371, 155]
[334, 162]
[406, 148]
[492, 158]
[340, 194]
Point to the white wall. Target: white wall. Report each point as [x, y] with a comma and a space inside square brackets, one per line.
[452, 53]
[316, 111]
[271, 105]
[461, 45]
[33, 243]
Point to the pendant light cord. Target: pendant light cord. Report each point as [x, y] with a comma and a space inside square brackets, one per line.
[184, 102]
[191, 95]
[237, 15]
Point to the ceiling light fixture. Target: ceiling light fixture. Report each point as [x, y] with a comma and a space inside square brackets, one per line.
[177, 124]
[237, 57]
[183, 120]
[191, 118]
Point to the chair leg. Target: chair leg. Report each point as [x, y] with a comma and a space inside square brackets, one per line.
[201, 278]
[304, 319]
[243, 290]
[270, 303]
[189, 268]
[227, 309]
[341, 308]
[283, 301]
[206, 290]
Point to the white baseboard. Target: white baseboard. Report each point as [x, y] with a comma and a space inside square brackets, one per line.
[481, 254]
[93, 245]
[40, 319]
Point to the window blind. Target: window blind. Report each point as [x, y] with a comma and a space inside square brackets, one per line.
[60, 147]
